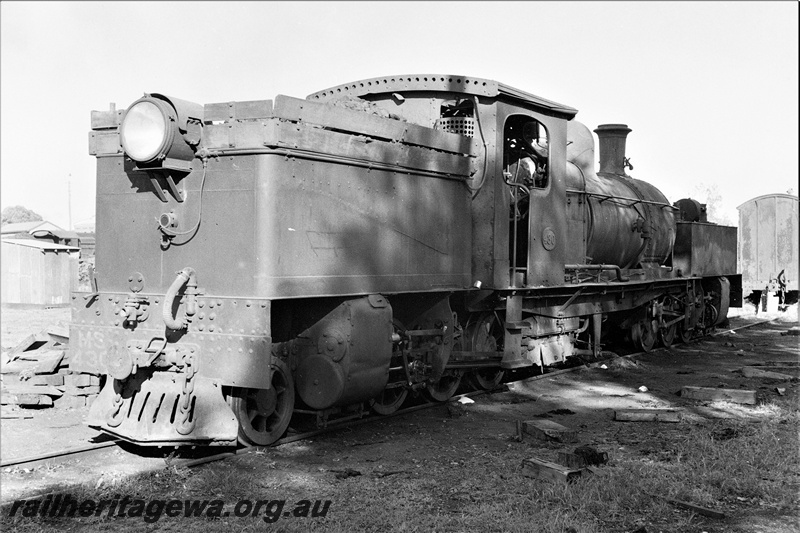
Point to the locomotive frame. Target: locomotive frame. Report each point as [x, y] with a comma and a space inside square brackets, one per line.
[384, 237]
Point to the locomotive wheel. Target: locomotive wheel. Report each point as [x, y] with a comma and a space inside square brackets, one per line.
[443, 390]
[486, 378]
[667, 335]
[643, 334]
[695, 315]
[485, 335]
[264, 414]
[684, 334]
[389, 400]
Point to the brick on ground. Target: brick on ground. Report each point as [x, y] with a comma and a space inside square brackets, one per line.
[81, 391]
[81, 380]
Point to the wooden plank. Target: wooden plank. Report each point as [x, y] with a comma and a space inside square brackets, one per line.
[21, 387]
[571, 460]
[752, 372]
[46, 379]
[440, 140]
[791, 370]
[26, 343]
[230, 111]
[81, 391]
[48, 363]
[647, 415]
[549, 430]
[81, 380]
[299, 136]
[317, 140]
[12, 412]
[32, 344]
[539, 469]
[26, 399]
[40, 353]
[696, 508]
[717, 394]
[339, 118]
[16, 367]
[58, 333]
[365, 123]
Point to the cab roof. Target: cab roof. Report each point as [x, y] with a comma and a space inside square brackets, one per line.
[440, 83]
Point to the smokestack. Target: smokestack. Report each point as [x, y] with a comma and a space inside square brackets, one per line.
[612, 148]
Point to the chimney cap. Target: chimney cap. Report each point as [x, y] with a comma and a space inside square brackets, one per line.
[623, 128]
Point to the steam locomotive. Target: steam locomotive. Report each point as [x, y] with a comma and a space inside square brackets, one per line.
[391, 236]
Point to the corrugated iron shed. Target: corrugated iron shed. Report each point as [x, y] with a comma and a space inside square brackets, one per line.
[37, 272]
[28, 227]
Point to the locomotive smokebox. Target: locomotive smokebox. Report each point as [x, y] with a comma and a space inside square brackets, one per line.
[612, 147]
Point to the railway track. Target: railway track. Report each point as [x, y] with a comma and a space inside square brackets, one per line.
[87, 451]
[51, 458]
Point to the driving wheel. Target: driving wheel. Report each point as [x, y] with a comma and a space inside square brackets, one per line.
[264, 414]
[643, 334]
[443, 390]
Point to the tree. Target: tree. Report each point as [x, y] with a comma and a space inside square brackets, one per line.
[18, 213]
[715, 206]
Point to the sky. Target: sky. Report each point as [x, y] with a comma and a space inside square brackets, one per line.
[710, 89]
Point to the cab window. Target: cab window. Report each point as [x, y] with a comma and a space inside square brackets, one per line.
[525, 154]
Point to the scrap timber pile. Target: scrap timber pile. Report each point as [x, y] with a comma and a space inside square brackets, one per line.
[36, 374]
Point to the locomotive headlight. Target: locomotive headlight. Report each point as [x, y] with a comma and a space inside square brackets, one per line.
[144, 131]
[159, 132]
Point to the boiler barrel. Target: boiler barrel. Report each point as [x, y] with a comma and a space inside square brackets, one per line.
[628, 221]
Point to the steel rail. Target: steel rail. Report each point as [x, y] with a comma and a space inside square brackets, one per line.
[46, 458]
[333, 427]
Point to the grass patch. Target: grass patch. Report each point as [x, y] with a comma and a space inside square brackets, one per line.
[736, 467]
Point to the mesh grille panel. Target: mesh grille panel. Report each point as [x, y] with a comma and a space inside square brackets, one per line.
[461, 125]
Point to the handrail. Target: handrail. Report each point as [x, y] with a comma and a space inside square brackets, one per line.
[616, 268]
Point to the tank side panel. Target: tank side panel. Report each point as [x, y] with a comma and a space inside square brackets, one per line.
[333, 229]
[705, 249]
[128, 238]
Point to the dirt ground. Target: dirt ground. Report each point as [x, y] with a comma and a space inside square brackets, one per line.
[451, 453]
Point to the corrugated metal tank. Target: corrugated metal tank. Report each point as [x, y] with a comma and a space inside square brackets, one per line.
[37, 273]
